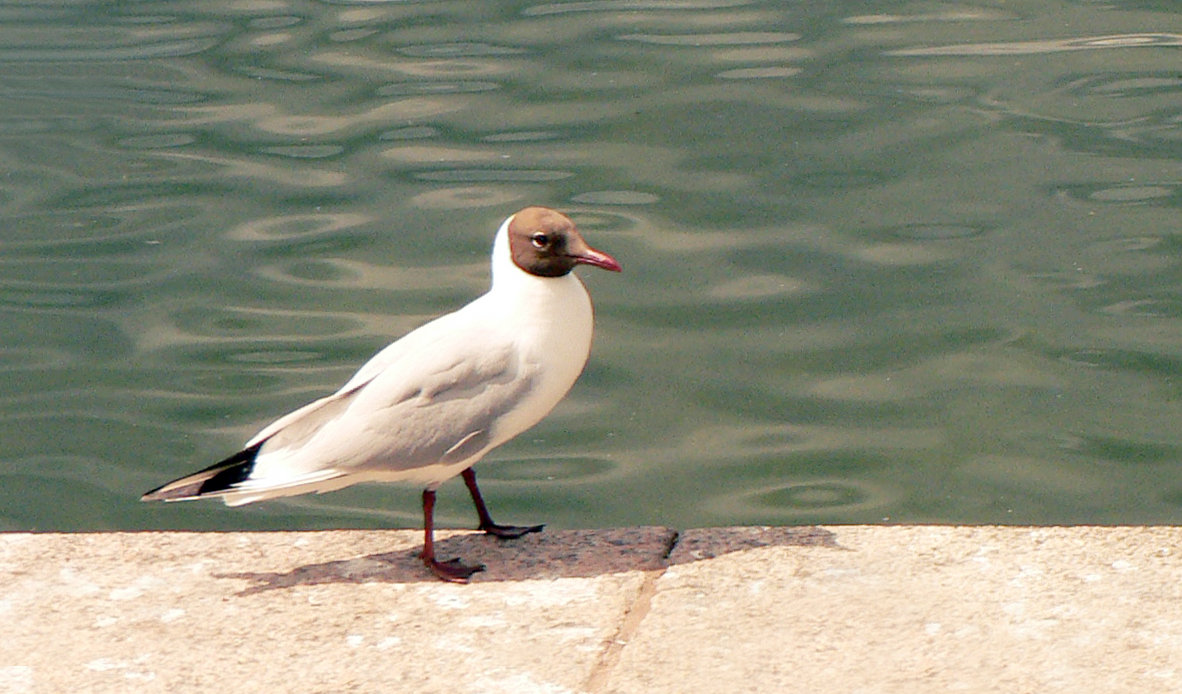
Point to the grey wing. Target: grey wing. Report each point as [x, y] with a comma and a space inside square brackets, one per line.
[454, 414]
[444, 411]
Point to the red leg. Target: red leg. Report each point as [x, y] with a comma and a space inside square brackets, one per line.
[505, 532]
[452, 570]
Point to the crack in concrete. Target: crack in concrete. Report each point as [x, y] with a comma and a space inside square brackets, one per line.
[633, 617]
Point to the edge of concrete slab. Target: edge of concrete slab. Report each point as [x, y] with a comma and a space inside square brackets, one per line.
[649, 609]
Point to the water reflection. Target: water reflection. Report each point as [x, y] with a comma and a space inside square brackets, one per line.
[468, 196]
[737, 38]
[568, 469]
[1127, 193]
[299, 226]
[630, 5]
[1048, 46]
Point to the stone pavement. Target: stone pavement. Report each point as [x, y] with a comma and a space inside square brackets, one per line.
[907, 609]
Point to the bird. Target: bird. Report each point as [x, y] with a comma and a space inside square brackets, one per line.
[430, 405]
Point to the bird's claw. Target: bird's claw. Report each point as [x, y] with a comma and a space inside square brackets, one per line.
[453, 570]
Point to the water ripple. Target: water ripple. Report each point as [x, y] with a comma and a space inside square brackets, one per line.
[297, 226]
[31, 358]
[458, 50]
[523, 136]
[463, 197]
[448, 68]
[957, 15]
[54, 298]
[81, 274]
[553, 469]
[409, 88]
[434, 154]
[1125, 450]
[741, 441]
[758, 287]
[1162, 366]
[628, 5]
[270, 118]
[275, 22]
[493, 175]
[807, 487]
[164, 141]
[207, 321]
[234, 165]
[758, 73]
[100, 230]
[304, 151]
[1148, 307]
[615, 197]
[146, 50]
[937, 232]
[266, 73]
[410, 132]
[348, 35]
[1149, 192]
[355, 274]
[735, 38]
[1127, 85]
[97, 89]
[1046, 45]
[834, 495]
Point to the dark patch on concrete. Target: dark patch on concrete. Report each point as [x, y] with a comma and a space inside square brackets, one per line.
[699, 545]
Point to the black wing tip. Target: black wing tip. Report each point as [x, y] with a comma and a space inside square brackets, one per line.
[169, 492]
[218, 477]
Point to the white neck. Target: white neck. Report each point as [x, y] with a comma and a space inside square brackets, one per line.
[506, 276]
[502, 258]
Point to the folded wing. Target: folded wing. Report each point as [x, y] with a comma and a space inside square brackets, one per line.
[417, 406]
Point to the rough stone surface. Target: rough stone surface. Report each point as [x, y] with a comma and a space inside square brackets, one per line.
[914, 609]
[312, 612]
[833, 609]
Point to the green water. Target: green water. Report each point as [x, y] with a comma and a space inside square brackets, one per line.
[884, 261]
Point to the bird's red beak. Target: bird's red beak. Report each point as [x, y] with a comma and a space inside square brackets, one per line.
[599, 259]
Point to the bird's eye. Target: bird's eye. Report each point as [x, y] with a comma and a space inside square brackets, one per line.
[540, 240]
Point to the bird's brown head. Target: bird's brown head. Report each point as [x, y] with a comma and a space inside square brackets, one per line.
[545, 243]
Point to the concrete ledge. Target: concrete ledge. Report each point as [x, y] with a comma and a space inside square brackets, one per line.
[813, 609]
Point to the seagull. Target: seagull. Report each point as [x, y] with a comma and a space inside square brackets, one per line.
[430, 405]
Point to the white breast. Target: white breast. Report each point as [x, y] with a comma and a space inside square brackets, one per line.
[550, 319]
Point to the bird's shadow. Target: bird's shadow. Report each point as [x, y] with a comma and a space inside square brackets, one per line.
[547, 555]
